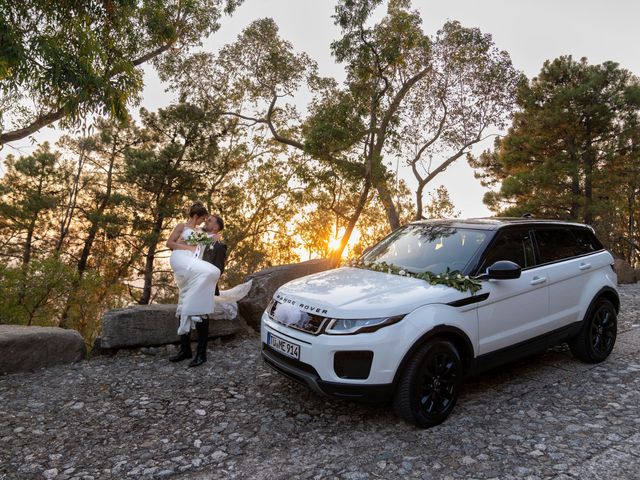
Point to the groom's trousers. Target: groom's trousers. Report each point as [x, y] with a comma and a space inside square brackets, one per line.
[202, 329]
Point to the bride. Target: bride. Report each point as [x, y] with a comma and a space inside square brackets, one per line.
[196, 279]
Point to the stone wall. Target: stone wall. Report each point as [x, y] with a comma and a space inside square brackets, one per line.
[23, 349]
[626, 273]
[152, 325]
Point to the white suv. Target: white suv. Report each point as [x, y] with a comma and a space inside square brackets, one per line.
[363, 334]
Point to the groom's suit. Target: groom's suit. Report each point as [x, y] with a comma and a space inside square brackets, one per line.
[216, 254]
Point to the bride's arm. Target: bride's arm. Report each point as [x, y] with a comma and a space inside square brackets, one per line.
[173, 242]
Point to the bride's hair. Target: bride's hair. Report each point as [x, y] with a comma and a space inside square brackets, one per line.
[198, 210]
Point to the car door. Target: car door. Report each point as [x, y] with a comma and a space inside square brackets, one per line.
[567, 252]
[516, 309]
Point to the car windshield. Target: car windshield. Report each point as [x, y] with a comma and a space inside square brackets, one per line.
[428, 248]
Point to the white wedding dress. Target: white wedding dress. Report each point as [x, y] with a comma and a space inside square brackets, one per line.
[196, 280]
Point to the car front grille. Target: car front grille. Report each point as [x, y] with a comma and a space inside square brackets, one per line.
[313, 324]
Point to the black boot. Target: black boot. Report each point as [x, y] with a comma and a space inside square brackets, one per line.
[185, 349]
[202, 327]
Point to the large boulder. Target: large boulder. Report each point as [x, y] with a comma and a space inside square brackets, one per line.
[152, 325]
[266, 282]
[23, 349]
[626, 273]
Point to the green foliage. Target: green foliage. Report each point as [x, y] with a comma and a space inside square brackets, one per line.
[335, 125]
[572, 150]
[51, 285]
[440, 205]
[73, 58]
[29, 192]
[35, 295]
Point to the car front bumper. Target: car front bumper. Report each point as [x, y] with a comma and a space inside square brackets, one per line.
[317, 363]
[304, 374]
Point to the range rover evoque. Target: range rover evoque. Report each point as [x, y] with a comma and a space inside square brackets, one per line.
[363, 334]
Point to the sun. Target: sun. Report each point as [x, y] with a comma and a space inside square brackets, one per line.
[334, 244]
[334, 241]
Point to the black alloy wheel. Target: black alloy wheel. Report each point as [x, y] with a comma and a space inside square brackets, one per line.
[430, 385]
[597, 337]
[603, 330]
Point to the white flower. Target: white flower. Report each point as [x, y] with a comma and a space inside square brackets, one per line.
[458, 276]
[466, 277]
[402, 272]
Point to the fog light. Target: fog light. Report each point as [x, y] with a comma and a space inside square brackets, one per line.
[354, 365]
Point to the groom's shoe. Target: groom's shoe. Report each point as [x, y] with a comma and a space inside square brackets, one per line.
[199, 360]
[180, 356]
[185, 349]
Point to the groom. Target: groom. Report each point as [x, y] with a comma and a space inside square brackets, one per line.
[215, 254]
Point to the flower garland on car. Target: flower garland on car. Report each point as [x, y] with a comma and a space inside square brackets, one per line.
[450, 278]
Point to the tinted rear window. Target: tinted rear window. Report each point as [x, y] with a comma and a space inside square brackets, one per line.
[560, 243]
[587, 241]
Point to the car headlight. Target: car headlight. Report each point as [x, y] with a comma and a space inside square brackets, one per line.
[341, 326]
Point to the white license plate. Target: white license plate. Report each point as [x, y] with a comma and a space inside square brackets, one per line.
[289, 349]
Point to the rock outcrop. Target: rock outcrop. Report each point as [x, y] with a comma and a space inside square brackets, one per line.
[626, 273]
[23, 349]
[266, 282]
[152, 325]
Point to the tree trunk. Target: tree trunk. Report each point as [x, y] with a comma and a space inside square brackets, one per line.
[65, 223]
[26, 252]
[574, 210]
[362, 201]
[150, 257]
[88, 242]
[389, 206]
[631, 222]
[419, 204]
[26, 258]
[589, 162]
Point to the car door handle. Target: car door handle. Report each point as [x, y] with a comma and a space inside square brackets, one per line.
[537, 280]
[584, 266]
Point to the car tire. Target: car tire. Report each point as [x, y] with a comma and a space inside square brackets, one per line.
[430, 384]
[598, 334]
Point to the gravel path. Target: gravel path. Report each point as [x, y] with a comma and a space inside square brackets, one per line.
[136, 415]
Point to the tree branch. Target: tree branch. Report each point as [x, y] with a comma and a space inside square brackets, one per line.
[395, 103]
[58, 114]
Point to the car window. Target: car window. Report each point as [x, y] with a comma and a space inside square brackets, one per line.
[430, 247]
[587, 241]
[515, 246]
[560, 243]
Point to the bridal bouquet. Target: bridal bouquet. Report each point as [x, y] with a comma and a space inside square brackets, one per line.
[201, 240]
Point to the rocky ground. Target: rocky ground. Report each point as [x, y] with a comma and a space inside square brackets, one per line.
[136, 415]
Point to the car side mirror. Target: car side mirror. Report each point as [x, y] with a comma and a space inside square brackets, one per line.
[502, 270]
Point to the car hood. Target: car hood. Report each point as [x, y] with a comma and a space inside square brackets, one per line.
[359, 293]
